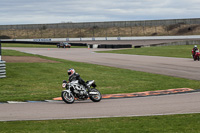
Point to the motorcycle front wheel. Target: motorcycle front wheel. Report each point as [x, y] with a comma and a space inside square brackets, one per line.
[67, 97]
[97, 97]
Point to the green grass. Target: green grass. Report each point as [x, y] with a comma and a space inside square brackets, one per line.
[41, 81]
[34, 45]
[188, 123]
[182, 51]
[14, 53]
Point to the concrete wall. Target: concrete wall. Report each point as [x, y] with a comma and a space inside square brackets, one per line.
[191, 37]
[189, 42]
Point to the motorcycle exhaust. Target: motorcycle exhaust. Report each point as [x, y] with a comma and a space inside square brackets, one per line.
[93, 93]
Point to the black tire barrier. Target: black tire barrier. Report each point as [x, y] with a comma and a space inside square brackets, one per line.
[138, 46]
[113, 46]
[90, 46]
[44, 43]
[31, 42]
[2, 69]
[78, 44]
[0, 50]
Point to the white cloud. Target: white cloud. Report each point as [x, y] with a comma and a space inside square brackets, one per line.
[51, 11]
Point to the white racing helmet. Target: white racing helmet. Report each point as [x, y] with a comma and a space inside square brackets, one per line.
[71, 71]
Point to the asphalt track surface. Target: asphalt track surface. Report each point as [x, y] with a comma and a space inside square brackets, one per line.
[141, 106]
[177, 67]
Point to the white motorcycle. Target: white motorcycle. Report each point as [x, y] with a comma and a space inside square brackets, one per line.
[74, 90]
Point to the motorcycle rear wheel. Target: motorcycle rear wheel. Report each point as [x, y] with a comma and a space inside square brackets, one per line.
[67, 98]
[95, 98]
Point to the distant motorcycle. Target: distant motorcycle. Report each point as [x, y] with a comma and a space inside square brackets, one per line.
[74, 90]
[195, 55]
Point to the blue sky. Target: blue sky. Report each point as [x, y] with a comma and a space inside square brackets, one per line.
[59, 11]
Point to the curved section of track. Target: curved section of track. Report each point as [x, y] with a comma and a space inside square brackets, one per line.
[178, 67]
[141, 106]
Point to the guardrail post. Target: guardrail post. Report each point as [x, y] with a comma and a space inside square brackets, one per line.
[2, 66]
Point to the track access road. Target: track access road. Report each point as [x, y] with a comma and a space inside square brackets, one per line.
[177, 67]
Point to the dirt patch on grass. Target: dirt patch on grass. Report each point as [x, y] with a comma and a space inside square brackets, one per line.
[26, 59]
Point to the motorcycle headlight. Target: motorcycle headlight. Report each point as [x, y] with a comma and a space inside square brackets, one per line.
[64, 85]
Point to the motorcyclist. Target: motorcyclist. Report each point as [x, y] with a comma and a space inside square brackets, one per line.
[194, 50]
[75, 76]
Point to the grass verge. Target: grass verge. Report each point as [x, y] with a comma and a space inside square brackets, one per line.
[181, 51]
[188, 123]
[41, 81]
